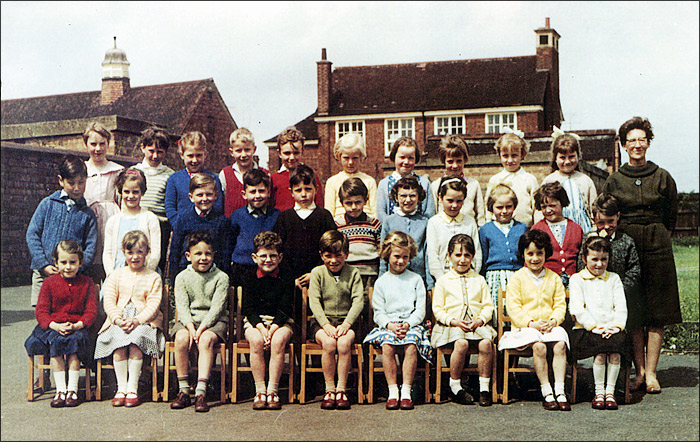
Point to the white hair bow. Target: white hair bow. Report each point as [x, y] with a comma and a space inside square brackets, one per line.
[558, 132]
[517, 132]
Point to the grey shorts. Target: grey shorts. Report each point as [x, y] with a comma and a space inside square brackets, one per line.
[219, 328]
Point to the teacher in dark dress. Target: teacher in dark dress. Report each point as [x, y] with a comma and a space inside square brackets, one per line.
[648, 207]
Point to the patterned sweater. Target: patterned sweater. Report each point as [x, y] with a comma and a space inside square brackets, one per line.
[156, 180]
[332, 201]
[363, 235]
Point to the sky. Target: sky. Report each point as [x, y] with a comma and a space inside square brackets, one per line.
[617, 59]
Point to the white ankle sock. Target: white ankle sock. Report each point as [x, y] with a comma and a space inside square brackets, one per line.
[455, 385]
[559, 388]
[271, 387]
[484, 384]
[260, 387]
[73, 376]
[121, 372]
[546, 389]
[60, 378]
[599, 378]
[393, 391]
[132, 385]
[184, 384]
[613, 371]
[405, 391]
[341, 386]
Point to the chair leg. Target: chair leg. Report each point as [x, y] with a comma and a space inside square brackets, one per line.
[291, 373]
[370, 381]
[428, 396]
[98, 381]
[574, 378]
[88, 386]
[360, 392]
[233, 395]
[302, 381]
[166, 373]
[494, 374]
[30, 389]
[506, 362]
[155, 396]
[222, 391]
[438, 377]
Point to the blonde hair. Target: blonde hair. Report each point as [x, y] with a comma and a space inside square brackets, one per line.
[195, 140]
[453, 146]
[510, 139]
[97, 128]
[398, 239]
[350, 142]
[241, 134]
[497, 191]
[134, 238]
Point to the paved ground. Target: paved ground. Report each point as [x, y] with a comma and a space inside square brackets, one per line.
[672, 415]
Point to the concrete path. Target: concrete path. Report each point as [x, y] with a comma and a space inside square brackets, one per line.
[671, 415]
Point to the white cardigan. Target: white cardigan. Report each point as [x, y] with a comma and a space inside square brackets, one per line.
[597, 301]
[148, 224]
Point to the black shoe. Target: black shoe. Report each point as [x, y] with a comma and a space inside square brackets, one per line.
[485, 399]
[462, 397]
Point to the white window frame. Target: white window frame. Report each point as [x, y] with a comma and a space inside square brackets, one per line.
[495, 127]
[405, 127]
[452, 125]
[355, 126]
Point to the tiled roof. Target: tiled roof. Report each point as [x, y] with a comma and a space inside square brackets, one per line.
[170, 105]
[458, 84]
[307, 126]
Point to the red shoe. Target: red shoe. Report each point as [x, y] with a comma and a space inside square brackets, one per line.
[406, 404]
[341, 401]
[119, 399]
[392, 404]
[131, 401]
[598, 402]
[610, 402]
[328, 402]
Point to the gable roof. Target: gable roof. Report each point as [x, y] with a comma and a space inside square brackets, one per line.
[170, 105]
[432, 86]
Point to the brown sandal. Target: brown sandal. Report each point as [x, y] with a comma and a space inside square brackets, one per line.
[260, 401]
[598, 402]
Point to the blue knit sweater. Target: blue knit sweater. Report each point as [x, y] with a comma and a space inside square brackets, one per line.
[498, 251]
[244, 227]
[215, 223]
[177, 191]
[415, 226]
[53, 222]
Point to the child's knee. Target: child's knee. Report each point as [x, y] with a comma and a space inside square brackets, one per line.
[539, 349]
[410, 350]
[460, 345]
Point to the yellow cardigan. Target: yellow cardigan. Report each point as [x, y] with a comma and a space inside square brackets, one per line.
[525, 302]
[144, 289]
[448, 300]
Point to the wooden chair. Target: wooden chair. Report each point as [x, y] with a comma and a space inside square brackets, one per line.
[442, 353]
[510, 356]
[44, 364]
[377, 351]
[241, 347]
[220, 350]
[310, 348]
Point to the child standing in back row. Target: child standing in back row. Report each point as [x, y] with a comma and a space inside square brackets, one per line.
[66, 308]
[454, 155]
[290, 144]
[100, 189]
[350, 151]
[512, 148]
[566, 156]
[154, 143]
[192, 148]
[405, 154]
[597, 301]
[242, 149]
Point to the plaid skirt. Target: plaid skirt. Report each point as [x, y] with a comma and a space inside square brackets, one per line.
[417, 335]
[149, 339]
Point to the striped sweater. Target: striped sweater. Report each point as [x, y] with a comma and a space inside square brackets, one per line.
[363, 235]
[156, 179]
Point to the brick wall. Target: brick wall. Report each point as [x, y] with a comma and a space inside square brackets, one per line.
[28, 175]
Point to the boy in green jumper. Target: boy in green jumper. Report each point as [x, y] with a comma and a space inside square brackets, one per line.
[201, 302]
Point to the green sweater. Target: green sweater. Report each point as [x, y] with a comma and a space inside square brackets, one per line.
[201, 298]
[330, 298]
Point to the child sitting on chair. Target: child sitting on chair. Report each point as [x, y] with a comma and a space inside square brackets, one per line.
[268, 296]
[201, 301]
[336, 301]
[66, 307]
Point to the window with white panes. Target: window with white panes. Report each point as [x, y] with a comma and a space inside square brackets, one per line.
[449, 125]
[395, 129]
[346, 127]
[496, 122]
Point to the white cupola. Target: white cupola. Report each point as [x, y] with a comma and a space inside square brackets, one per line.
[115, 75]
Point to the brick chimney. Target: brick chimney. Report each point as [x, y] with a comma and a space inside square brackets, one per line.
[324, 83]
[115, 75]
[548, 60]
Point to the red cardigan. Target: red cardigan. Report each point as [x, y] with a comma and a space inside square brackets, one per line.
[283, 197]
[564, 258]
[66, 300]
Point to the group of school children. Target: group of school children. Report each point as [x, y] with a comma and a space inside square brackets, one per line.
[435, 254]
